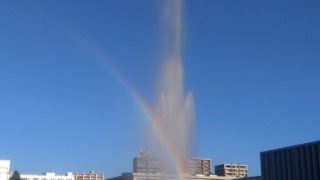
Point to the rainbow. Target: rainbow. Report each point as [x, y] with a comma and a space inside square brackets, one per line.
[145, 109]
[150, 116]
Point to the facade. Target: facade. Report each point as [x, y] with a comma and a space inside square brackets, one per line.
[232, 170]
[88, 176]
[4, 169]
[145, 163]
[166, 176]
[198, 166]
[47, 176]
[299, 162]
[252, 178]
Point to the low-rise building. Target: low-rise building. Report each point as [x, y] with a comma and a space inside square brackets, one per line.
[88, 176]
[4, 169]
[198, 166]
[168, 176]
[47, 176]
[232, 170]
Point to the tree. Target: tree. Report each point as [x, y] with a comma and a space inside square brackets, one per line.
[15, 176]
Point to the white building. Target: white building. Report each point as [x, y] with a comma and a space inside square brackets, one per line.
[47, 176]
[4, 169]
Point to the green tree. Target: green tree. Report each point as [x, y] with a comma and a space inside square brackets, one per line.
[15, 176]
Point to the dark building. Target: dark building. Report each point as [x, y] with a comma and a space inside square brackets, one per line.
[145, 163]
[251, 178]
[299, 162]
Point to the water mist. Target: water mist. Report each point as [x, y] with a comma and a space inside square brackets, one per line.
[175, 107]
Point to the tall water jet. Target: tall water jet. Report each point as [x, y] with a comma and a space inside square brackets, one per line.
[175, 108]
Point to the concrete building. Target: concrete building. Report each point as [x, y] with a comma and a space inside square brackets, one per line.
[198, 166]
[4, 169]
[195, 169]
[299, 162]
[88, 176]
[145, 163]
[47, 176]
[232, 170]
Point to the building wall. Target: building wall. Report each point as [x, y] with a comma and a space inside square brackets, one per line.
[198, 166]
[300, 162]
[232, 170]
[46, 176]
[4, 169]
[145, 163]
[252, 178]
[88, 176]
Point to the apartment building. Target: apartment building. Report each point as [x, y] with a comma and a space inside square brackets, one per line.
[232, 170]
[198, 166]
[88, 176]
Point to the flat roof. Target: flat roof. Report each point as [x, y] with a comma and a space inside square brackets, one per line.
[291, 147]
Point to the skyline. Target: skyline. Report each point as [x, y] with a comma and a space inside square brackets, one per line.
[70, 75]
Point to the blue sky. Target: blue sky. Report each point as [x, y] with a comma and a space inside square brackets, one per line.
[253, 68]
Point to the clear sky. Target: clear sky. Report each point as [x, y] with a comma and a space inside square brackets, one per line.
[253, 67]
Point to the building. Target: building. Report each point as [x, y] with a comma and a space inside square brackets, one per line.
[232, 170]
[299, 162]
[145, 163]
[69, 176]
[195, 169]
[47, 176]
[252, 178]
[198, 166]
[167, 176]
[4, 169]
[88, 176]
